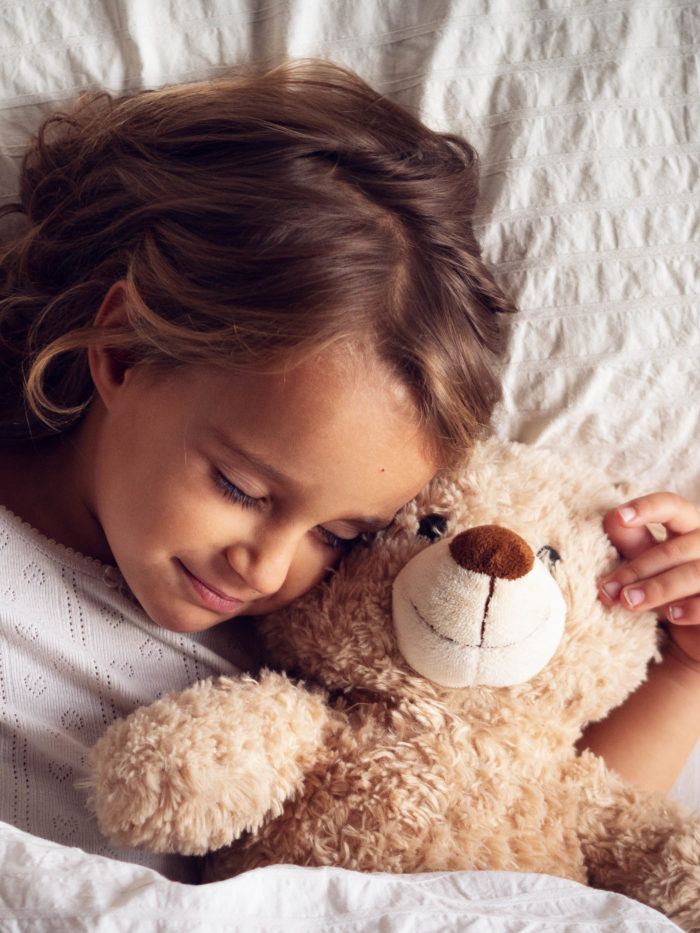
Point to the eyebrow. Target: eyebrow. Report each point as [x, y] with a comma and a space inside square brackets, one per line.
[277, 476]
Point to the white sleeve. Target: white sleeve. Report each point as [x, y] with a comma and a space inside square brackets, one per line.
[75, 654]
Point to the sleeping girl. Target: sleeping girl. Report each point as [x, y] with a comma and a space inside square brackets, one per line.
[242, 323]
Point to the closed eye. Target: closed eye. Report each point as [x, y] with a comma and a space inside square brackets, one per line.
[334, 541]
[234, 494]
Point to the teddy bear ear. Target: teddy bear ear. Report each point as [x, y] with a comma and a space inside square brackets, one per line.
[432, 527]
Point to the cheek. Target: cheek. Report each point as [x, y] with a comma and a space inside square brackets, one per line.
[150, 508]
[311, 565]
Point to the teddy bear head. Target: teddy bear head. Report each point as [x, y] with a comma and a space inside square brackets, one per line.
[482, 595]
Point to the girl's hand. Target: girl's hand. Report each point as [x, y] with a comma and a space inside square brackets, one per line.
[664, 576]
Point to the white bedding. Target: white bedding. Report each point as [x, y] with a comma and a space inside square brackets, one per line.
[98, 895]
[586, 116]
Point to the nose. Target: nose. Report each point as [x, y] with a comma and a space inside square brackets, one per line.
[264, 564]
[494, 551]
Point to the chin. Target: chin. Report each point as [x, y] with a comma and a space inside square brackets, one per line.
[184, 620]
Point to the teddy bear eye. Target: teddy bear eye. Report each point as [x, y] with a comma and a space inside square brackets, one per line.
[432, 527]
[549, 556]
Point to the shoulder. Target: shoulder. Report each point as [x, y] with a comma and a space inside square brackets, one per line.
[20, 541]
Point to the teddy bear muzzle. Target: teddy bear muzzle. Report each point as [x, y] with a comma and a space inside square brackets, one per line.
[479, 609]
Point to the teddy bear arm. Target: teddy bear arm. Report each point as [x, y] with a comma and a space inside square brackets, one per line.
[194, 770]
[643, 845]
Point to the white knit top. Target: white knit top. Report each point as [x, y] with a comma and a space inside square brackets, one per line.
[76, 652]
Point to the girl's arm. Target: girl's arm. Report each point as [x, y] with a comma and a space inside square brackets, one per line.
[648, 739]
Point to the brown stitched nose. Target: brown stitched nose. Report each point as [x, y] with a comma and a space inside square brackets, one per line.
[493, 550]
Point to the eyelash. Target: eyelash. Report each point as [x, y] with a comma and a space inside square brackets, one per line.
[234, 494]
[339, 544]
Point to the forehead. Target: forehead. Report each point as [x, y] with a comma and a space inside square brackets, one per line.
[323, 426]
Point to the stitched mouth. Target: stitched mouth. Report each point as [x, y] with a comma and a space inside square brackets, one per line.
[461, 644]
[421, 618]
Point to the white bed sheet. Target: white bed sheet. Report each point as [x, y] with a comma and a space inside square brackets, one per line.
[585, 113]
[97, 895]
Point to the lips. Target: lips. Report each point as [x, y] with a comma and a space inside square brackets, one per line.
[210, 597]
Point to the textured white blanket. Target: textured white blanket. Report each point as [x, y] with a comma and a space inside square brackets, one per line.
[54, 889]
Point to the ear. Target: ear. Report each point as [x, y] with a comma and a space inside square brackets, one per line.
[108, 367]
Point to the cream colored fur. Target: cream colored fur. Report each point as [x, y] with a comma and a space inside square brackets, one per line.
[383, 770]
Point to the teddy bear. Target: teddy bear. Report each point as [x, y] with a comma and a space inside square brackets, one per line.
[420, 709]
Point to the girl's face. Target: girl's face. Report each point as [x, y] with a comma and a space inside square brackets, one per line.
[222, 494]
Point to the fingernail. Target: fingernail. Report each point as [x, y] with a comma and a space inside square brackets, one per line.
[633, 597]
[611, 589]
[627, 513]
[675, 612]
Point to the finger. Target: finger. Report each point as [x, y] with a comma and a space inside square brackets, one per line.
[667, 588]
[630, 541]
[676, 514]
[656, 560]
[684, 613]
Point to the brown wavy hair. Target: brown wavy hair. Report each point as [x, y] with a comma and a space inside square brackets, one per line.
[254, 218]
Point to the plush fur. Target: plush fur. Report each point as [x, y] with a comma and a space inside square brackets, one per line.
[368, 765]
